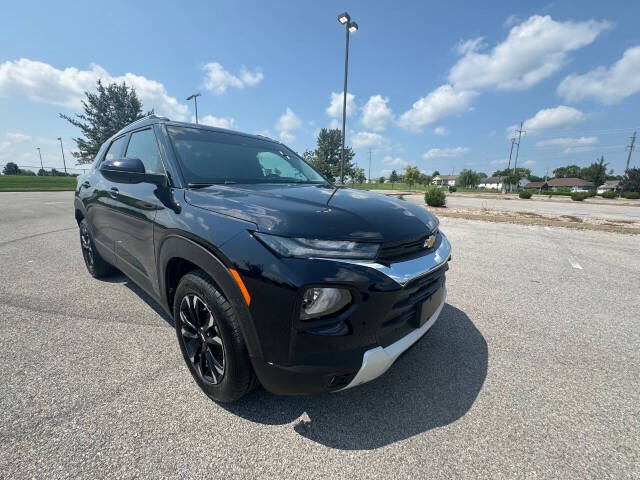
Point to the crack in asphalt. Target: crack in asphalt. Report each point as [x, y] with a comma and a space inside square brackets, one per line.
[7, 242]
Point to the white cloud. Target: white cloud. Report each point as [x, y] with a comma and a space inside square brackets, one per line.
[15, 136]
[567, 142]
[286, 124]
[440, 131]
[511, 20]
[533, 51]
[547, 118]
[220, 122]
[376, 113]
[442, 102]
[368, 140]
[501, 161]
[605, 85]
[394, 161]
[528, 163]
[41, 82]
[218, 80]
[445, 152]
[468, 46]
[334, 109]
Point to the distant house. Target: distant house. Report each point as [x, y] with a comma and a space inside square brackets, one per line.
[492, 183]
[445, 180]
[574, 184]
[609, 185]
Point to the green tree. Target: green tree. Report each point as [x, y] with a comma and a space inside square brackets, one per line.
[381, 180]
[106, 111]
[596, 172]
[326, 157]
[411, 175]
[468, 178]
[393, 178]
[483, 175]
[436, 172]
[424, 179]
[520, 172]
[570, 171]
[631, 180]
[11, 168]
[42, 172]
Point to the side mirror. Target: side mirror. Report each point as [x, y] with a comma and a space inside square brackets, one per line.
[130, 170]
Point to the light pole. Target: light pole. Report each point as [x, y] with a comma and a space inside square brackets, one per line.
[63, 160]
[40, 155]
[350, 27]
[195, 101]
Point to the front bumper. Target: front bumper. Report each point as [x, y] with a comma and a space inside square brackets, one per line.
[378, 360]
[304, 357]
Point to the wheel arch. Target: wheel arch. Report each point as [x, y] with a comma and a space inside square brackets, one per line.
[178, 256]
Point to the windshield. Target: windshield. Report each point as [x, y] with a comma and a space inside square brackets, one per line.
[208, 157]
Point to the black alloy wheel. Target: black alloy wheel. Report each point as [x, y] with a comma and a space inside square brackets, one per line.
[202, 340]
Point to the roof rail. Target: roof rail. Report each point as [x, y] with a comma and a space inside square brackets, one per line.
[147, 117]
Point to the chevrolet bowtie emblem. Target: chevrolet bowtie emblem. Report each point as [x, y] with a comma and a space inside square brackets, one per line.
[428, 243]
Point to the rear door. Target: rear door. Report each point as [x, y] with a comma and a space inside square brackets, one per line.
[136, 209]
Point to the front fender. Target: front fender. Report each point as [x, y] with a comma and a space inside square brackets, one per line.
[176, 246]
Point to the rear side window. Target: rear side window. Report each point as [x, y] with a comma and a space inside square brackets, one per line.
[143, 146]
[115, 149]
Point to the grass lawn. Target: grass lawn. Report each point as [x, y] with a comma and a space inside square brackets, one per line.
[17, 183]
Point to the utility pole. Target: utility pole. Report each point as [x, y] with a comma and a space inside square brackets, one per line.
[515, 163]
[40, 154]
[369, 165]
[513, 140]
[630, 147]
[546, 174]
[63, 160]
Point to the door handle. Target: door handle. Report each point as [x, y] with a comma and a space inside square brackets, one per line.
[113, 191]
[86, 184]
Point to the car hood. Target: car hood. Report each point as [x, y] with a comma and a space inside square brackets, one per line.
[317, 211]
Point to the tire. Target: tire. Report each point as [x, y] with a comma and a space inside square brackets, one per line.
[97, 266]
[204, 318]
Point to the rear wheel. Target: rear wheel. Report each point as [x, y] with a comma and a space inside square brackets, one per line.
[210, 339]
[96, 265]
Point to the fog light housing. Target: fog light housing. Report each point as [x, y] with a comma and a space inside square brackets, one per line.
[322, 301]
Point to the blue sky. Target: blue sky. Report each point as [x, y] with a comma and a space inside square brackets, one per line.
[435, 84]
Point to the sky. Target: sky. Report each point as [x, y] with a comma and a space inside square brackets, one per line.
[439, 85]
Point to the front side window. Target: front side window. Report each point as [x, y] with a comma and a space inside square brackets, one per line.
[143, 146]
[208, 157]
[115, 150]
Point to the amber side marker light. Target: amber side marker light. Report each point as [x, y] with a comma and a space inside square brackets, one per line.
[243, 289]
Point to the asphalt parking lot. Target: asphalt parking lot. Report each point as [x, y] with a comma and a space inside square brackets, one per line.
[532, 371]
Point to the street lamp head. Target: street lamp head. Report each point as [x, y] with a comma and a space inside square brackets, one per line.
[191, 97]
[59, 138]
[353, 27]
[344, 18]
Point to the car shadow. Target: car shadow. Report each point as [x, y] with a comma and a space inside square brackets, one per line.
[121, 278]
[433, 384]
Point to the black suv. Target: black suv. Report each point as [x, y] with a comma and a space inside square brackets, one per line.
[272, 274]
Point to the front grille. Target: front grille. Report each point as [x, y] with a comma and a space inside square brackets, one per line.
[400, 318]
[396, 251]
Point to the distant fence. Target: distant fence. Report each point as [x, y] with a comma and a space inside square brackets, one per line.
[77, 170]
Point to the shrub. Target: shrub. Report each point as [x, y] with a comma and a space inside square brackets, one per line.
[609, 194]
[579, 196]
[435, 197]
[631, 195]
[452, 189]
[592, 193]
[525, 194]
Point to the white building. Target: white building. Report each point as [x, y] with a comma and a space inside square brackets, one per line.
[609, 185]
[445, 180]
[494, 183]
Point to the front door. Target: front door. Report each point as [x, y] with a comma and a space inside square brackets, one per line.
[136, 208]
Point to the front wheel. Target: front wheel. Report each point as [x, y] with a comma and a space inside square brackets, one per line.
[210, 339]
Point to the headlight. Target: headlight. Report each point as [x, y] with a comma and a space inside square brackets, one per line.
[318, 302]
[307, 247]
